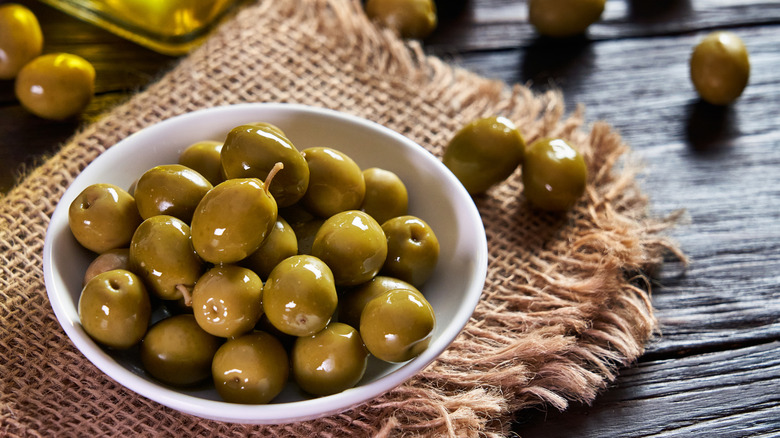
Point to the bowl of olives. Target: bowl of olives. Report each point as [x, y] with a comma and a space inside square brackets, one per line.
[264, 263]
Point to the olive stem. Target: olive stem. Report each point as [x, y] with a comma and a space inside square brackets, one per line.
[277, 167]
[186, 293]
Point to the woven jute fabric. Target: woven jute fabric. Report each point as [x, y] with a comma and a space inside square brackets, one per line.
[565, 305]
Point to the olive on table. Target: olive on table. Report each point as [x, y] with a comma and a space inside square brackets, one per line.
[409, 18]
[412, 249]
[329, 361]
[484, 152]
[170, 189]
[353, 245]
[21, 39]
[564, 18]
[56, 86]
[280, 243]
[336, 182]
[204, 157]
[554, 174]
[103, 217]
[250, 369]
[114, 309]
[118, 258]
[353, 300]
[397, 325]
[720, 67]
[386, 195]
[178, 352]
[227, 300]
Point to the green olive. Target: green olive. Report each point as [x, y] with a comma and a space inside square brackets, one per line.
[386, 195]
[564, 18]
[300, 296]
[178, 352]
[114, 309]
[484, 152]
[21, 39]
[410, 18]
[412, 249]
[397, 325]
[280, 243]
[232, 220]
[352, 301]
[554, 174]
[118, 258]
[304, 224]
[329, 361]
[204, 157]
[170, 189]
[720, 67]
[336, 182]
[56, 86]
[227, 301]
[251, 151]
[161, 253]
[103, 217]
[251, 369]
[353, 245]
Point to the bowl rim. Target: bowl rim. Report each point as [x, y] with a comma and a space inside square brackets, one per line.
[273, 413]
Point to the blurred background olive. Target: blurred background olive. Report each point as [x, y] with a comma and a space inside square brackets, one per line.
[554, 174]
[56, 86]
[409, 18]
[720, 67]
[21, 38]
[564, 18]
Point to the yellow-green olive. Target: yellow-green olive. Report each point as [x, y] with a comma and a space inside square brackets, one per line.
[204, 157]
[56, 86]
[386, 195]
[410, 18]
[412, 249]
[554, 174]
[564, 18]
[720, 67]
[103, 217]
[21, 38]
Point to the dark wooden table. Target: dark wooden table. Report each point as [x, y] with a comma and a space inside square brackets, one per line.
[715, 370]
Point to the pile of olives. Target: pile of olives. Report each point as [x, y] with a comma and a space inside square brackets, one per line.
[250, 263]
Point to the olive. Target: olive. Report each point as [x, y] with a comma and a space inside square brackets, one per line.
[353, 245]
[397, 325]
[329, 361]
[352, 301]
[227, 300]
[178, 352]
[564, 18]
[554, 174]
[21, 38]
[300, 296]
[484, 152]
[252, 151]
[412, 249]
[114, 309]
[170, 189]
[118, 258]
[204, 157]
[409, 18]
[720, 67]
[56, 85]
[304, 224]
[232, 220]
[280, 243]
[336, 182]
[161, 253]
[250, 369]
[386, 195]
[103, 217]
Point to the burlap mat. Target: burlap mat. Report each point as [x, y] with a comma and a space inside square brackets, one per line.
[565, 304]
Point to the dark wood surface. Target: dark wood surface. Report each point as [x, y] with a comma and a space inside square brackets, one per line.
[715, 368]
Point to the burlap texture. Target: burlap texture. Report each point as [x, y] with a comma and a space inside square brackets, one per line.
[565, 303]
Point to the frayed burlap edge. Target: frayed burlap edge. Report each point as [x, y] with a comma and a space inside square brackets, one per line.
[566, 301]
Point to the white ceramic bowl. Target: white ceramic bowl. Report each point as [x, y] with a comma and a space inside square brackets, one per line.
[435, 195]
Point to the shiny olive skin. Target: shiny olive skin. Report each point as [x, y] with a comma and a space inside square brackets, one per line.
[103, 217]
[720, 67]
[251, 151]
[204, 157]
[412, 249]
[329, 361]
[161, 253]
[178, 352]
[484, 152]
[280, 243]
[56, 86]
[232, 220]
[397, 325]
[118, 258]
[21, 39]
[250, 369]
[227, 300]
[336, 182]
[170, 189]
[554, 174]
[386, 195]
[114, 309]
[564, 18]
[409, 18]
[352, 301]
[353, 245]
[299, 297]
